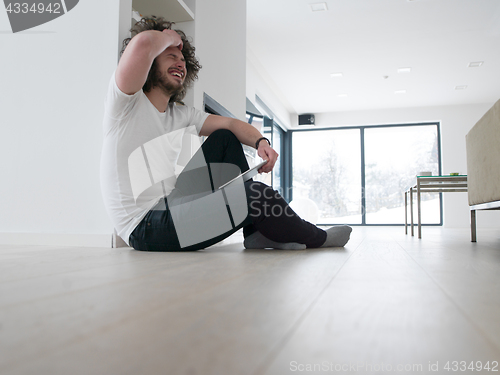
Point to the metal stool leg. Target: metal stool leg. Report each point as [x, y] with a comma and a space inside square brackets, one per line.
[419, 211]
[473, 225]
[411, 211]
[406, 212]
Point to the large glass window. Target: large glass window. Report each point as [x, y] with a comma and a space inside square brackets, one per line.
[393, 157]
[327, 170]
[358, 175]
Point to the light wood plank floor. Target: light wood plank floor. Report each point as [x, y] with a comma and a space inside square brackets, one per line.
[386, 303]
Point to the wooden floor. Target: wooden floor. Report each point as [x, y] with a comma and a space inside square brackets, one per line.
[386, 303]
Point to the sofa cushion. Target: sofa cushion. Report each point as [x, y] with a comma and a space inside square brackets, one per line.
[483, 158]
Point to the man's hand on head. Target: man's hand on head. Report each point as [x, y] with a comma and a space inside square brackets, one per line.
[176, 38]
[266, 152]
[135, 63]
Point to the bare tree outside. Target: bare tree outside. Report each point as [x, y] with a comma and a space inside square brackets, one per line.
[327, 170]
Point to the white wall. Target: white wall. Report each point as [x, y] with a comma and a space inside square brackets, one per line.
[220, 40]
[456, 121]
[261, 84]
[54, 79]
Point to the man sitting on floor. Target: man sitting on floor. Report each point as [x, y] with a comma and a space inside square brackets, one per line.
[144, 123]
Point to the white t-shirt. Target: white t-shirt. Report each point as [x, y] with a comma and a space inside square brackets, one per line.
[140, 150]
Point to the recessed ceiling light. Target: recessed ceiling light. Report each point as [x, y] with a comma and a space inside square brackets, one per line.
[404, 70]
[336, 75]
[342, 95]
[318, 7]
[400, 92]
[475, 64]
[462, 87]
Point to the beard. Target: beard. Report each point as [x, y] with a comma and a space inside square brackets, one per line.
[169, 88]
[175, 90]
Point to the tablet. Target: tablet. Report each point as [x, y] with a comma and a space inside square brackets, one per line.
[247, 175]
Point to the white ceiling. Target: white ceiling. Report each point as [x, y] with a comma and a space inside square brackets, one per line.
[368, 39]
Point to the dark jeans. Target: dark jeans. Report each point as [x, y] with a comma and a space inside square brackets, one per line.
[268, 212]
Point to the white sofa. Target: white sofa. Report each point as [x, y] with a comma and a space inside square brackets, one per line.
[483, 164]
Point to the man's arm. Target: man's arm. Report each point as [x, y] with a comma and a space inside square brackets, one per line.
[139, 55]
[245, 133]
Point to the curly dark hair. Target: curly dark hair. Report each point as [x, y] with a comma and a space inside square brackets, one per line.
[192, 64]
